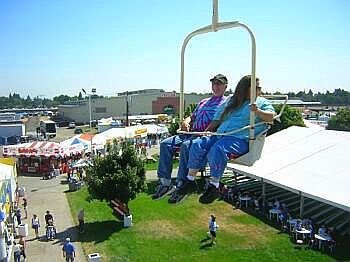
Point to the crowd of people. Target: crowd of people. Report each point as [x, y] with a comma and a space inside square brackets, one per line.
[20, 246]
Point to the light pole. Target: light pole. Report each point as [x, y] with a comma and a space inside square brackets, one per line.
[93, 90]
[127, 109]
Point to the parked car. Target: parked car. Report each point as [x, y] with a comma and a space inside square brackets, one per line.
[71, 125]
[78, 130]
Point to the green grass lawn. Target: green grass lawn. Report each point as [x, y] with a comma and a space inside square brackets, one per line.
[163, 232]
[154, 165]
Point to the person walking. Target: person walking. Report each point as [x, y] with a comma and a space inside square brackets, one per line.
[81, 216]
[213, 227]
[48, 217]
[25, 206]
[198, 121]
[36, 225]
[16, 252]
[68, 250]
[22, 242]
[19, 216]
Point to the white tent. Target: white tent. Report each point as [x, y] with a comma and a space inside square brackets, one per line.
[313, 162]
[74, 145]
[121, 132]
[156, 129]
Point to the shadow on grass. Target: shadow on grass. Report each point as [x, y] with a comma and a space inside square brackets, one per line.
[152, 185]
[205, 239]
[95, 232]
[206, 246]
[100, 231]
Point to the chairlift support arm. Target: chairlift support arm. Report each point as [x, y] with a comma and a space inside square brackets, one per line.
[214, 27]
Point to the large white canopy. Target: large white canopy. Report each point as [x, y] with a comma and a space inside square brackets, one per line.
[312, 161]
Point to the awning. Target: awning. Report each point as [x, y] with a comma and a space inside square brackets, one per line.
[37, 148]
[311, 161]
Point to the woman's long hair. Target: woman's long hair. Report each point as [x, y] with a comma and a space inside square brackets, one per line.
[239, 97]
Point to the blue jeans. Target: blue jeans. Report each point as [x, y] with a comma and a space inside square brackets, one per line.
[17, 256]
[215, 149]
[167, 151]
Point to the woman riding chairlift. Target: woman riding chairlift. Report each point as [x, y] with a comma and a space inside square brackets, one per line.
[256, 141]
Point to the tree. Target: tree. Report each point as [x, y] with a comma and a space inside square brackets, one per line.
[290, 117]
[341, 121]
[176, 124]
[116, 176]
[61, 99]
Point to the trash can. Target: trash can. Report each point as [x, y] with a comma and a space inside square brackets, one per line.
[72, 186]
[94, 257]
[77, 185]
[23, 230]
[127, 221]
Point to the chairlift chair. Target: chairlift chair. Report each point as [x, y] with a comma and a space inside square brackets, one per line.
[256, 143]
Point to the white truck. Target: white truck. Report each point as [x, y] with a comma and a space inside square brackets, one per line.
[11, 133]
[48, 129]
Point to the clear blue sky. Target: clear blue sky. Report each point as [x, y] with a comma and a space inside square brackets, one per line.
[59, 47]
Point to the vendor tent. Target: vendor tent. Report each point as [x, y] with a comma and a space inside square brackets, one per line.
[156, 129]
[37, 148]
[312, 162]
[73, 145]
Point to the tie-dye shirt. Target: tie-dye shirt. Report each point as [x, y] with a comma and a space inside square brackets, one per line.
[205, 111]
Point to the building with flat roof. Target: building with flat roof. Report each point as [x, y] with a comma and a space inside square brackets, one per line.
[140, 103]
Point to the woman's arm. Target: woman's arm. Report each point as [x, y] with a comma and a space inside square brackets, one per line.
[266, 116]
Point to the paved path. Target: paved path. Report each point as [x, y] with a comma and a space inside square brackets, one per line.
[45, 195]
[152, 174]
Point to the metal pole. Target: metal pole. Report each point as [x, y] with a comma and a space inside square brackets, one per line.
[301, 211]
[90, 124]
[90, 111]
[215, 16]
[263, 192]
[127, 109]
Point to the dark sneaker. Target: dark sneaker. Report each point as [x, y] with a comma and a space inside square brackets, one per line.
[210, 194]
[186, 188]
[162, 191]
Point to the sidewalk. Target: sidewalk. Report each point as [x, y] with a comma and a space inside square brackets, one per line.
[45, 195]
[152, 174]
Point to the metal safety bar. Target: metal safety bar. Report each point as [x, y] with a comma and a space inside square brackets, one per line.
[208, 133]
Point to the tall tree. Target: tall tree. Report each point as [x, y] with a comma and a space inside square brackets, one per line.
[116, 175]
[341, 121]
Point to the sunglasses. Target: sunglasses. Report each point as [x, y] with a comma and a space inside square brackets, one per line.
[216, 82]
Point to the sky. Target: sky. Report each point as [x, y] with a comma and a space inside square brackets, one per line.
[49, 48]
